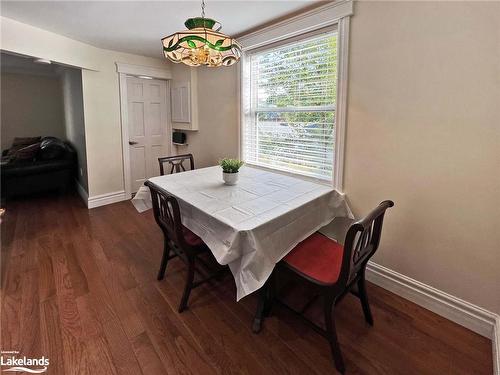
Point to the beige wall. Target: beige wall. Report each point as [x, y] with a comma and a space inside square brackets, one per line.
[424, 130]
[218, 122]
[100, 94]
[74, 120]
[32, 105]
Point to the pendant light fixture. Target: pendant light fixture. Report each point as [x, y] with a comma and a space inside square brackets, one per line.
[202, 44]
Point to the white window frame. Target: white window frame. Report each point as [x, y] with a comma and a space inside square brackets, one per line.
[331, 14]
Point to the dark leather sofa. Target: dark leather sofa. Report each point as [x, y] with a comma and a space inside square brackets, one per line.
[53, 168]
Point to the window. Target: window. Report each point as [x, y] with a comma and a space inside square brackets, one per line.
[289, 101]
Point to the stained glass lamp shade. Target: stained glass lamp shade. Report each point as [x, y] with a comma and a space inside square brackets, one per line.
[201, 44]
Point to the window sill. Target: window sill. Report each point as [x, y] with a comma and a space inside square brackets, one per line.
[327, 182]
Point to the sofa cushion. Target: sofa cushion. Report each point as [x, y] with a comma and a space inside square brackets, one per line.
[25, 141]
[19, 143]
[24, 168]
[26, 152]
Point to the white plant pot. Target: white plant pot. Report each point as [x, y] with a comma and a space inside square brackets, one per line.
[230, 178]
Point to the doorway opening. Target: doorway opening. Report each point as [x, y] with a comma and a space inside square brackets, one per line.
[42, 128]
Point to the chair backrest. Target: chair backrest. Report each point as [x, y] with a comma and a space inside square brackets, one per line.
[168, 216]
[176, 163]
[361, 242]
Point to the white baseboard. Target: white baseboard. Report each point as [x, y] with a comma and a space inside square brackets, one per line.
[450, 307]
[104, 199]
[495, 341]
[455, 309]
[82, 192]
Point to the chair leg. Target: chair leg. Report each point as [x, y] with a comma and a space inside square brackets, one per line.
[332, 334]
[164, 260]
[364, 299]
[187, 287]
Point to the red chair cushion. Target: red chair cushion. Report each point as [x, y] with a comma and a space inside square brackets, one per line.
[191, 238]
[317, 257]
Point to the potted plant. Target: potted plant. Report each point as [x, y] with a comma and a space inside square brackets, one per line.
[230, 168]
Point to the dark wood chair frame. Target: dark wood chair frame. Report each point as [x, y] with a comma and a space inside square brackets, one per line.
[176, 163]
[361, 242]
[168, 217]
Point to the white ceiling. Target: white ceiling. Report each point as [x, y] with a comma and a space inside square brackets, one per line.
[137, 26]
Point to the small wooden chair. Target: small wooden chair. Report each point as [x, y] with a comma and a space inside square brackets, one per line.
[333, 270]
[176, 163]
[184, 243]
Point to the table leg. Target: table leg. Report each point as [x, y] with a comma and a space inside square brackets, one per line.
[264, 305]
[261, 305]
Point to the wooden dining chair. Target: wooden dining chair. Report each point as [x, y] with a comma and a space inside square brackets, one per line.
[176, 163]
[184, 243]
[333, 270]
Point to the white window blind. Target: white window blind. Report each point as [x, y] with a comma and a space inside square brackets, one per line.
[289, 97]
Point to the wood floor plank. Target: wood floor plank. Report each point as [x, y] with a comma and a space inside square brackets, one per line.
[46, 282]
[146, 355]
[73, 350]
[71, 330]
[99, 358]
[30, 316]
[17, 245]
[68, 310]
[120, 348]
[453, 337]
[78, 279]
[219, 353]
[98, 293]
[89, 318]
[79, 286]
[122, 306]
[11, 305]
[50, 330]
[174, 346]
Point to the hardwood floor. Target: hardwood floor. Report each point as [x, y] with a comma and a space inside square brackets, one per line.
[79, 287]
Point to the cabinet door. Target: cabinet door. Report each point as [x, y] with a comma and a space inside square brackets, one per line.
[181, 102]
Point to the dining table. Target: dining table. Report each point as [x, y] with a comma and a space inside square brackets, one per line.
[252, 225]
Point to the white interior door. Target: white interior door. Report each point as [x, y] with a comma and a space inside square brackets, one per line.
[149, 133]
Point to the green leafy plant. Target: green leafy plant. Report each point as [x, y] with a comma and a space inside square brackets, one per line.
[230, 165]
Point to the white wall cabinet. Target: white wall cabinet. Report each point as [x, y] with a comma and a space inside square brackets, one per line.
[181, 102]
[184, 102]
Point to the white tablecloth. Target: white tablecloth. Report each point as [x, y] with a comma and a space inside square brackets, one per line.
[252, 225]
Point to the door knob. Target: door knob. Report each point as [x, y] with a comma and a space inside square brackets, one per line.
[131, 143]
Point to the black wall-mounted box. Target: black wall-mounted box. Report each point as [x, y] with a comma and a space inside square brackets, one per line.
[179, 137]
